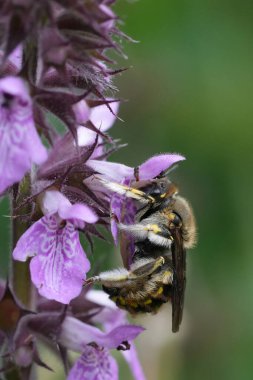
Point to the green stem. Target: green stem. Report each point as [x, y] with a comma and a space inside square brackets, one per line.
[20, 279]
[20, 273]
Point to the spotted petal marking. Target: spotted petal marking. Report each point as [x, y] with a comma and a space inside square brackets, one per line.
[59, 265]
[94, 364]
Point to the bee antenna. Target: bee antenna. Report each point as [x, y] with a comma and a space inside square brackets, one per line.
[164, 173]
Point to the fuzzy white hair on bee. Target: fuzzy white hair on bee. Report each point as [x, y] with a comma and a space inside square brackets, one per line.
[141, 232]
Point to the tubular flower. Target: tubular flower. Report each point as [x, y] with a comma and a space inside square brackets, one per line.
[76, 335]
[20, 144]
[123, 174]
[94, 364]
[59, 264]
[65, 327]
[94, 344]
[111, 316]
[97, 120]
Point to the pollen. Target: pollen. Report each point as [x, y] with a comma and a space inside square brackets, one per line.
[158, 292]
[122, 301]
[153, 228]
[167, 277]
[136, 191]
[148, 302]
[171, 216]
[133, 304]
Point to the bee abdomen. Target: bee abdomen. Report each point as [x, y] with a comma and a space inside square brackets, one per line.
[140, 302]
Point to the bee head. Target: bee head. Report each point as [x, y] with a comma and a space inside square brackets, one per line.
[160, 188]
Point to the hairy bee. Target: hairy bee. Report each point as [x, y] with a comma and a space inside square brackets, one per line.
[164, 228]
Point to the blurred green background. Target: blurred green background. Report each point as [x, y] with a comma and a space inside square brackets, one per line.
[190, 90]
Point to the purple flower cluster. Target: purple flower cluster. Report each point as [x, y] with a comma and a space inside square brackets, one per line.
[54, 77]
[71, 328]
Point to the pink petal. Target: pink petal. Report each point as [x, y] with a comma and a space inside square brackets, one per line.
[58, 271]
[94, 364]
[125, 210]
[55, 202]
[78, 211]
[14, 86]
[110, 316]
[117, 203]
[33, 145]
[29, 243]
[102, 117]
[157, 164]
[100, 298]
[60, 264]
[13, 164]
[82, 112]
[131, 357]
[85, 136]
[114, 231]
[20, 144]
[76, 334]
[52, 201]
[16, 56]
[112, 170]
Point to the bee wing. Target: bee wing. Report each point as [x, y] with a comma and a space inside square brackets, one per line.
[127, 249]
[179, 278]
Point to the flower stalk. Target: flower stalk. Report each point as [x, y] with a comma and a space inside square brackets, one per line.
[20, 277]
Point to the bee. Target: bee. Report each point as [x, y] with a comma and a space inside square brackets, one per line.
[163, 229]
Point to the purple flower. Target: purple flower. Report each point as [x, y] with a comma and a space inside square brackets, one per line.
[59, 264]
[100, 115]
[100, 119]
[17, 344]
[94, 364]
[75, 335]
[20, 144]
[125, 174]
[111, 316]
[66, 75]
[148, 170]
[95, 344]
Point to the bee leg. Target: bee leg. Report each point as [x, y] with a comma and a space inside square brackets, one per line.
[120, 277]
[110, 278]
[137, 173]
[127, 191]
[146, 269]
[151, 232]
